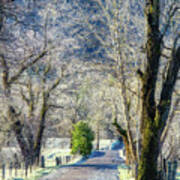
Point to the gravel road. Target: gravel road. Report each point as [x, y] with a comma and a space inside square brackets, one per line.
[101, 165]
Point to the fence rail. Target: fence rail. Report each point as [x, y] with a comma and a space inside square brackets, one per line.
[21, 170]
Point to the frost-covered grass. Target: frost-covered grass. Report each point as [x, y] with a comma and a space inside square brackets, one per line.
[50, 155]
[50, 165]
[178, 174]
[125, 173]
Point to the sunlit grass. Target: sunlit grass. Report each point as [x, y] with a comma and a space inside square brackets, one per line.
[125, 173]
[37, 172]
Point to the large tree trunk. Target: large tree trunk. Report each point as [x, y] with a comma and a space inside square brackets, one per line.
[147, 169]
[17, 128]
[149, 154]
[154, 117]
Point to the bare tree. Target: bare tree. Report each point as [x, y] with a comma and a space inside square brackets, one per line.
[156, 102]
[17, 56]
[40, 98]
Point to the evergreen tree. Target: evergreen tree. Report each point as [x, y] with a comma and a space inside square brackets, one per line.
[82, 137]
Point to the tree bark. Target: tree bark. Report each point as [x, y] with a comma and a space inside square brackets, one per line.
[147, 169]
[38, 141]
[97, 136]
[154, 117]
[124, 136]
[128, 152]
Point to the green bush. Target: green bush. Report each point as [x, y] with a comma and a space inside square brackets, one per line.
[82, 137]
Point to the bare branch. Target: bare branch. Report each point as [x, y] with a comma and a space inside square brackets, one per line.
[166, 47]
[121, 131]
[55, 106]
[168, 85]
[5, 73]
[172, 11]
[165, 56]
[24, 97]
[25, 66]
[172, 73]
[170, 119]
[56, 83]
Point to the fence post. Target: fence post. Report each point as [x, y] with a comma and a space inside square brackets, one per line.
[57, 161]
[10, 168]
[66, 159]
[164, 168]
[174, 168]
[16, 164]
[16, 167]
[169, 170]
[31, 168]
[42, 162]
[3, 171]
[26, 168]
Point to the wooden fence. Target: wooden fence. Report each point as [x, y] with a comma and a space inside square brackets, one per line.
[168, 170]
[20, 169]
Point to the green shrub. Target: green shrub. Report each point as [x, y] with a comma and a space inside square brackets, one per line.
[82, 137]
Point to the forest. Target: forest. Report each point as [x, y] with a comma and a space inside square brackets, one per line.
[113, 64]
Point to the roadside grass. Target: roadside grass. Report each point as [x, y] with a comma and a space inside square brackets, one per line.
[125, 172]
[178, 174]
[50, 165]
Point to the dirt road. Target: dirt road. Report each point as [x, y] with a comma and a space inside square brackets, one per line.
[101, 166]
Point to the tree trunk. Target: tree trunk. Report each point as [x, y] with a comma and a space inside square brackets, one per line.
[123, 133]
[17, 127]
[128, 152]
[38, 140]
[98, 137]
[74, 120]
[147, 166]
[154, 117]
[147, 169]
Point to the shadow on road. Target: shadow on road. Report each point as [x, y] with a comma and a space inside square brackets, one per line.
[96, 154]
[94, 166]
